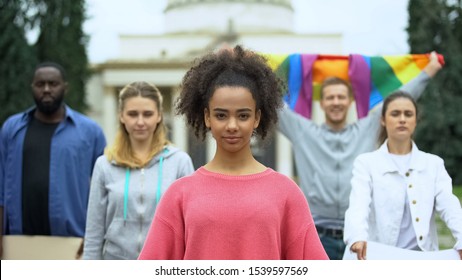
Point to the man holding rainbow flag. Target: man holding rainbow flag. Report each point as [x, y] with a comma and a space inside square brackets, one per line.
[324, 154]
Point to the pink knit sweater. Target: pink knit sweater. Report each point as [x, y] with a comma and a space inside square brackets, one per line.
[209, 216]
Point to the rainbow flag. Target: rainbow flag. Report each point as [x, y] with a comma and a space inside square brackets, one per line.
[372, 78]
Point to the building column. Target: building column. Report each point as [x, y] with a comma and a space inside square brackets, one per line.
[110, 114]
[284, 156]
[179, 129]
[211, 147]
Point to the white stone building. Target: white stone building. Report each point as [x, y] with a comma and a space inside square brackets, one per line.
[194, 27]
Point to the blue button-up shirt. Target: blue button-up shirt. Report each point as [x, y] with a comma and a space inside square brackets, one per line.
[76, 144]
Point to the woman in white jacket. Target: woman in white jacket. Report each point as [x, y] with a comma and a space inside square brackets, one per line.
[397, 189]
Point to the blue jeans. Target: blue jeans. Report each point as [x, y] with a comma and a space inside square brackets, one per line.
[334, 247]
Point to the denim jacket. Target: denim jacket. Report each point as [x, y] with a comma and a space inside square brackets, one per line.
[76, 144]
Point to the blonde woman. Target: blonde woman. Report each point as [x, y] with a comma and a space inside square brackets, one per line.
[129, 179]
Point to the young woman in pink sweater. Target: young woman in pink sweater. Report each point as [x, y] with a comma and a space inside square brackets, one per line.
[233, 207]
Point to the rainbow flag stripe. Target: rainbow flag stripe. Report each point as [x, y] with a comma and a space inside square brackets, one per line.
[372, 78]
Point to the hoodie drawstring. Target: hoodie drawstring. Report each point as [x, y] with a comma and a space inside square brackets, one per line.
[159, 183]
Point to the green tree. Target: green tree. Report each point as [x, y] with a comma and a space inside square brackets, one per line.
[17, 59]
[437, 25]
[62, 40]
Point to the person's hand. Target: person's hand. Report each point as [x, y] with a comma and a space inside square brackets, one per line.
[359, 248]
[434, 65]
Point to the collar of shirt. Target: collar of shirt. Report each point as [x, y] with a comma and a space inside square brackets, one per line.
[387, 165]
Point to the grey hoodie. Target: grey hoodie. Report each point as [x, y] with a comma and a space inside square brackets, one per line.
[108, 235]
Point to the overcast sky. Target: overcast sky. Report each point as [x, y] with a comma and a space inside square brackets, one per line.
[370, 27]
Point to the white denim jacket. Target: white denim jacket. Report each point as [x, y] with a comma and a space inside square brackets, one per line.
[378, 195]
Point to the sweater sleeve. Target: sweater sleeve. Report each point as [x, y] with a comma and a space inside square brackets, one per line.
[165, 238]
[290, 124]
[301, 240]
[417, 85]
[96, 214]
[415, 88]
[162, 243]
[307, 247]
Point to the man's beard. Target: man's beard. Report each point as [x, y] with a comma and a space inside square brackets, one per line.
[49, 108]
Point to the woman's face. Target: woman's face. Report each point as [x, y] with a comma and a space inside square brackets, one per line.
[140, 118]
[232, 117]
[400, 119]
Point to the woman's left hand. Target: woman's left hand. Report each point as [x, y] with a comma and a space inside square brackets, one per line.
[360, 248]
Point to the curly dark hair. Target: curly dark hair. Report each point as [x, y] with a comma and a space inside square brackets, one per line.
[236, 67]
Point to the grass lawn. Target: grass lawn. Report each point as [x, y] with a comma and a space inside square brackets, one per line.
[444, 234]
